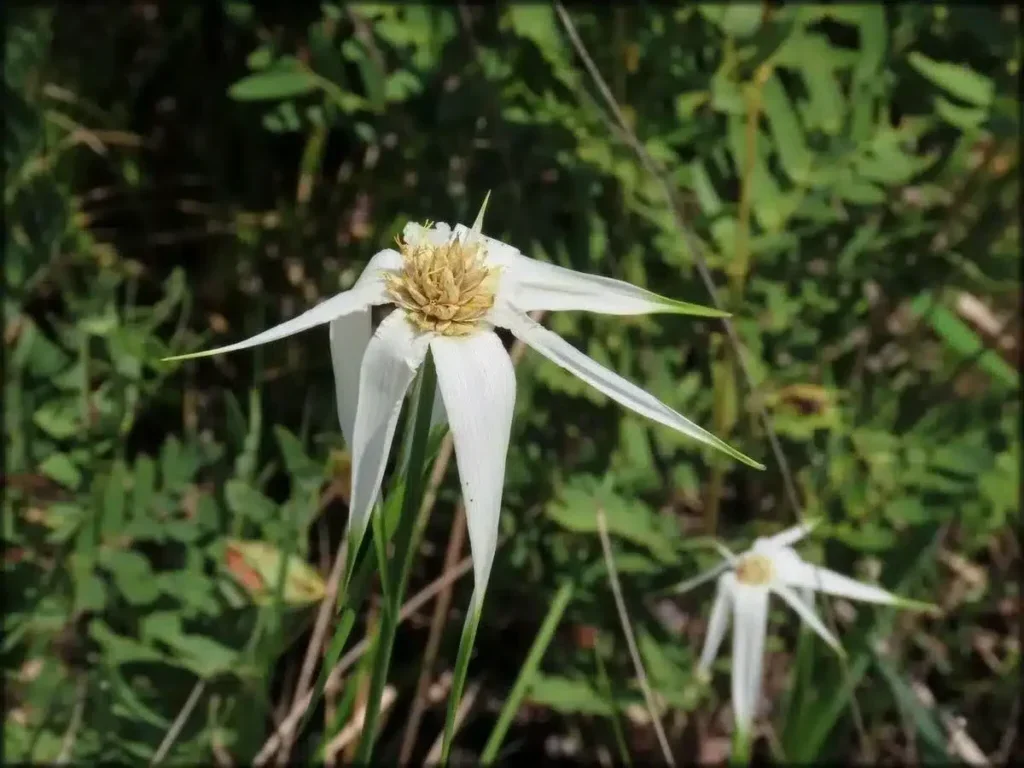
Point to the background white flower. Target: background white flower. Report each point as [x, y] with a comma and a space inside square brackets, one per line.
[771, 566]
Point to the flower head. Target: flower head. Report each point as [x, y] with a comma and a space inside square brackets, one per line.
[770, 566]
[445, 287]
[450, 288]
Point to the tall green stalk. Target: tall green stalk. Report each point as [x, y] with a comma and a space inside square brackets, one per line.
[528, 671]
[742, 741]
[459, 677]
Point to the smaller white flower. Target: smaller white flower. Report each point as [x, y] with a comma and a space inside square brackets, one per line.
[744, 584]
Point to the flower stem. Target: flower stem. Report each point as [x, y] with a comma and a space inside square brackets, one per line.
[404, 539]
[459, 678]
[741, 744]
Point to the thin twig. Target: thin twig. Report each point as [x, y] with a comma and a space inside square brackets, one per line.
[351, 731]
[627, 630]
[694, 247]
[316, 641]
[349, 659]
[68, 743]
[179, 723]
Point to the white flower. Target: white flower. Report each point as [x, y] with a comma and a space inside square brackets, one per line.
[744, 584]
[451, 288]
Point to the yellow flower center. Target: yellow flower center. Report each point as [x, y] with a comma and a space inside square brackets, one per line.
[755, 570]
[446, 289]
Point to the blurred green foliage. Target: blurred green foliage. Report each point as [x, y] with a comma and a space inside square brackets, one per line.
[182, 173]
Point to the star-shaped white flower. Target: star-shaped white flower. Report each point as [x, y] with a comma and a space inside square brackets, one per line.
[451, 288]
[770, 566]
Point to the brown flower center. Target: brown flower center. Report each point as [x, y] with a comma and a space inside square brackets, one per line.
[446, 289]
[755, 570]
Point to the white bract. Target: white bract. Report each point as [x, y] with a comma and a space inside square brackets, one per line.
[450, 289]
[744, 584]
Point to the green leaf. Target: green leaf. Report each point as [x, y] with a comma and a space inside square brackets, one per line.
[59, 468]
[121, 650]
[90, 592]
[537, 23]
[178, 464]
[569, 695]
[790, 142]
[114, 496]
[825, 108]
[299, 465]
[738, 20]
[271, 85]
[666, 676]
[159, 625]
[576, 506]
[132, 576]
[143, 485]
[967, 119]
[60, 419]
[907, 511]
[962, 339]
[960, 81]
[874, 42]
[202, 655]
[923, 718]
[244, 500]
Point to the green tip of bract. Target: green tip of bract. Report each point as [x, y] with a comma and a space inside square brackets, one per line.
[728, 449]
[478, 224]
[189, 356]
[917, 605]
[686, 308]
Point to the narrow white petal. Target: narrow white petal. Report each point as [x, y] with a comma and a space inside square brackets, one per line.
[563, 354]
[478, 385]
[349, 336]
[807, 595]
[685, 586]
[368, 291]
[530, 285]
[717, 623]
[751, 615]
[795, 572]
[389, 364]
[788, 537]
[805, 610]
[541, 285]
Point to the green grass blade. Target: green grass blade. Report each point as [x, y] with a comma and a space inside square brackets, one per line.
[616, 717]
[459, 678]
[523, 681]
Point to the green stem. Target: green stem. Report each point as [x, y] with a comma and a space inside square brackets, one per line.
[528, 670]
[459, 678]
[741, 744]
[401, 562]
